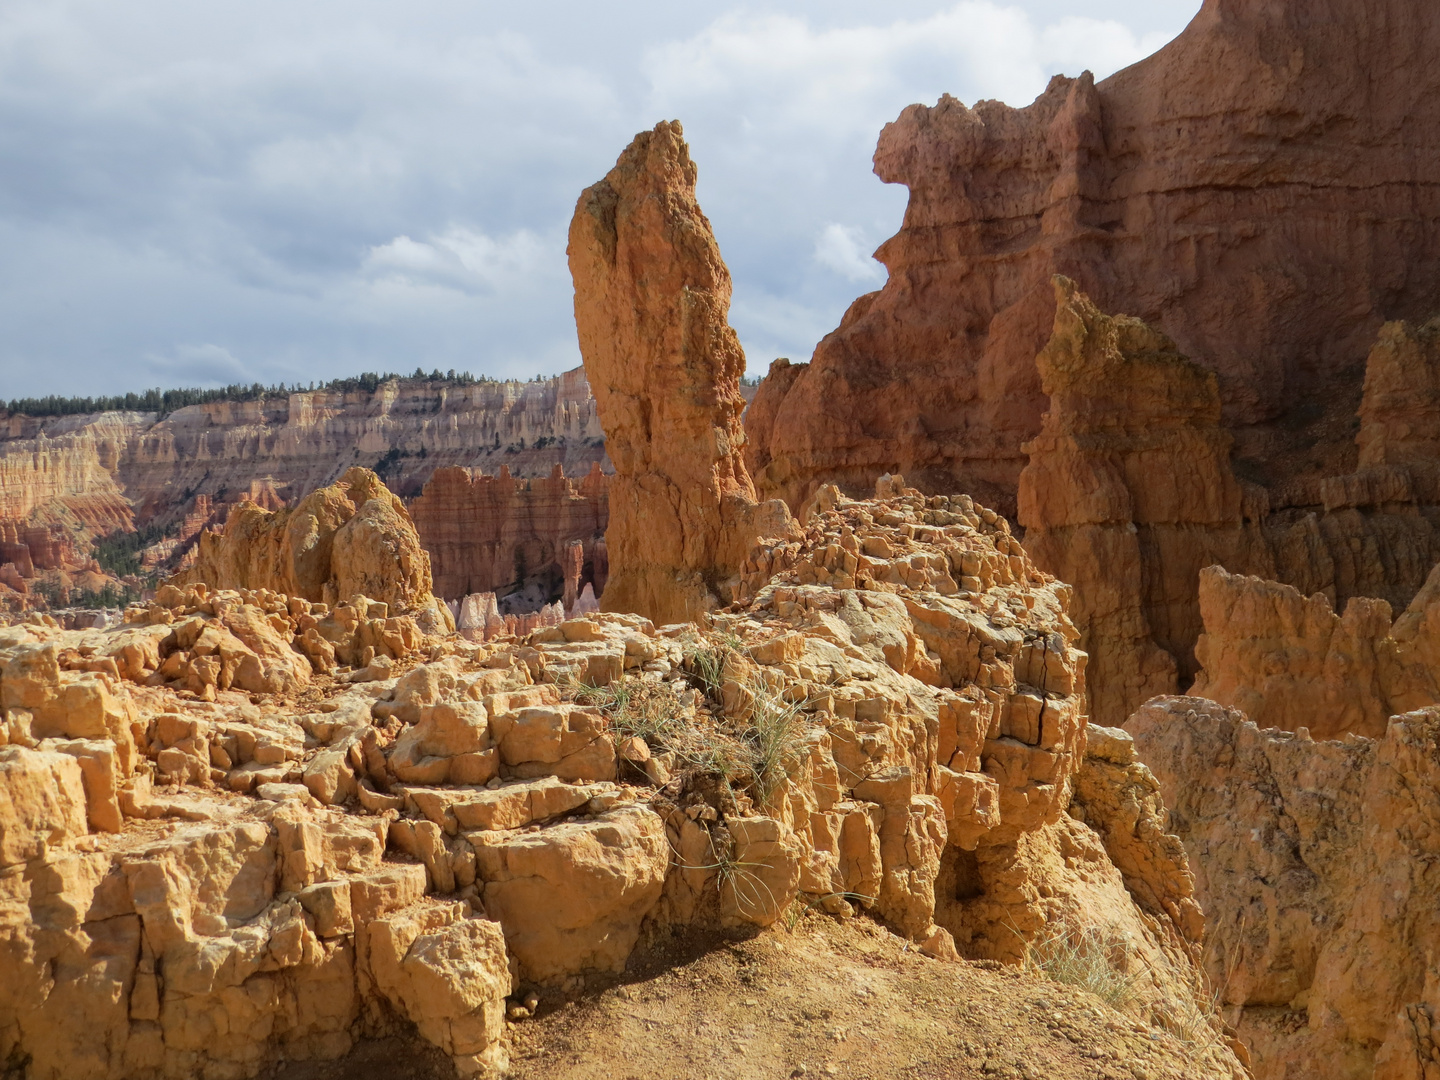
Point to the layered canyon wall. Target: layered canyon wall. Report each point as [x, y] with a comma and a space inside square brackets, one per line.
[1265, 189]
[87, 476]
[495, 534]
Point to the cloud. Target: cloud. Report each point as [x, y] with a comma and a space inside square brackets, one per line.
[315, 189]
[839, 249]
[464, 259]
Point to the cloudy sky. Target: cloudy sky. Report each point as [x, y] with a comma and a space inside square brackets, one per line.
[287, 190]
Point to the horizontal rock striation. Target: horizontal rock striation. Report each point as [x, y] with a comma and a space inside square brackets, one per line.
[112, 471]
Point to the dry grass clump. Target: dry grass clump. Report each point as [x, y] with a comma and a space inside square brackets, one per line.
[1097, 959]
[753, 750]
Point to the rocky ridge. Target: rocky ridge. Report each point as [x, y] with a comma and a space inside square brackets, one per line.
[406, 829]
[1130, 492]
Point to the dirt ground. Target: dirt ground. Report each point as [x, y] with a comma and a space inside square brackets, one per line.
[826, 999]
[846, 1000]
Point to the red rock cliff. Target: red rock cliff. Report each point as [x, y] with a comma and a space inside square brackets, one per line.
[1265, 190]
[484, 533]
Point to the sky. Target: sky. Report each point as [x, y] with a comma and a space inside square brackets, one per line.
[194, 194]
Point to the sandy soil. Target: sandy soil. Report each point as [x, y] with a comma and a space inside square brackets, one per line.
[826, 999]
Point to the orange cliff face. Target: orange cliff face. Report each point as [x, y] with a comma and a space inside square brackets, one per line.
[488, 533]
[1263, 190]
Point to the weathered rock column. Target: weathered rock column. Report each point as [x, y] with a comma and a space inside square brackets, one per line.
[1127, 495]
[651, 299]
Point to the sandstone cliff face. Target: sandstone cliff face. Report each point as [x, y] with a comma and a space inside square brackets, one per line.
[500, 533]
[1127, 494]
[353, 537]
[1402, 397]
[651, 299]
[1222, 190]
[1290, 662]
[1310, 861]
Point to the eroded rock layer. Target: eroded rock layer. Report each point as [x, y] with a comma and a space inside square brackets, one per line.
[99, 474]
[1265, 189]
[1288, 661]
[1128, 494]
[500, 533]
[1311, 860]
[1130, 491]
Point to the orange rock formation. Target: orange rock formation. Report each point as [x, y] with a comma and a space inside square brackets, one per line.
[1311, 861]
[497, 533]
[1222, 190]
[651, 299]
[1130, 492]
[1290, 662]
[1127, 495]
[353, 537]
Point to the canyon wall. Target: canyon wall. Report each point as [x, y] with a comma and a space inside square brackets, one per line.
[111, 470]
[1265, 190]
[1131, 490]
[491, 533]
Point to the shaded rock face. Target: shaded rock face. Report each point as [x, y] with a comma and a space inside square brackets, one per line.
[1311, 862]
[1401, 403]
[1263, 189]
[651, 299]
[1130, 491]
[1127, 494]
[353, 537]
[1289, 661]
[499, 533]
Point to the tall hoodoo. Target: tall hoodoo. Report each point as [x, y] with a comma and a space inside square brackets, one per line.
[651, 298]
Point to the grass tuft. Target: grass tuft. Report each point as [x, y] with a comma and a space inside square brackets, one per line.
[1092, 958]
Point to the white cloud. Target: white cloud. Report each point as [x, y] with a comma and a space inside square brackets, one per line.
[465, 259]
[315, 189]
[839, 249]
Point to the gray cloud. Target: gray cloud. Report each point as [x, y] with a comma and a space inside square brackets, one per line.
[193, 194]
